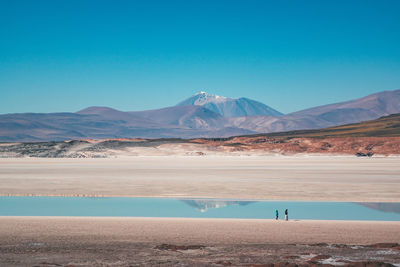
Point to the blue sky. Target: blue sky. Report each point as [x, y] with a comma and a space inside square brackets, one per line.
[136, 55]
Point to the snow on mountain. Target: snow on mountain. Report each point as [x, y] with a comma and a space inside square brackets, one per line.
[229, 107]
[203, 98]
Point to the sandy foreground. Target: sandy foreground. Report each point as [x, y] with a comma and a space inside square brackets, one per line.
[200, 231]
[323, 178]
[60, 241]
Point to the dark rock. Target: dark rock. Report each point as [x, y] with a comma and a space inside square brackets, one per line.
[285, 264]
[384, 245]
[369, 264]
[340, 245]
[50, 264]
[320, 257]
[224, 263]
[262, 265]
[177, 247]
[319, 245]
[292, 257]
[360, 154]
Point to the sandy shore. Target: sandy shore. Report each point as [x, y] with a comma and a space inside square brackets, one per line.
[320, 178]
[52, 241]
[199, 231]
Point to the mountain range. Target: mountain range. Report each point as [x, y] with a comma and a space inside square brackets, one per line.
[201, 115]
[375, 137]
[229, 107]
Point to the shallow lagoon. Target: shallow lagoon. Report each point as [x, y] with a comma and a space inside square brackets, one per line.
[195, 208]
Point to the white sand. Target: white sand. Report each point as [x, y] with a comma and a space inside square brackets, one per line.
[246, 177]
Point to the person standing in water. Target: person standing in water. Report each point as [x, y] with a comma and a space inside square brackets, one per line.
[277, 214]
[286, 215]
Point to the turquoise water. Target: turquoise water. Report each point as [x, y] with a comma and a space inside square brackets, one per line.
[195, 208]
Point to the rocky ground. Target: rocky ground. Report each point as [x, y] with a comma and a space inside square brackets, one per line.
[105, 241]
[248, 145]
[145, 254]
[361, 146]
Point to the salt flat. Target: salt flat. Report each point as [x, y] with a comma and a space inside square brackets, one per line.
[322, 178]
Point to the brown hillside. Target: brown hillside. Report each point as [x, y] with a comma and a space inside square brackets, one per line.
[382, 127]
[380, 136]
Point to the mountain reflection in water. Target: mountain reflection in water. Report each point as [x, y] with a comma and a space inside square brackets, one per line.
[385, 207]
[205, 204]
[196, 208]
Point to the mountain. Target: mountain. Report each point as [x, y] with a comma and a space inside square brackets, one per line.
[387, 126]
[116, 115]
[53, 126]
[103, 122]
[376, 137]
[363, 109]
[369, 107]
[194, 117]
[202, 115]
[229, 107]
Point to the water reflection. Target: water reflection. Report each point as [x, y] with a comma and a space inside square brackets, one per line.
[385, 207]
[203, 205]
[195, 208]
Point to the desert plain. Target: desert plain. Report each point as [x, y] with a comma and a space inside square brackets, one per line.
[304, 177]
[100, 241]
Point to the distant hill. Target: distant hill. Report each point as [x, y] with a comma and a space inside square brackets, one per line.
[366, 139]
[387, 126]
[362, 109]
[103, 123]
[379, 104]
[195, 117]
[229, 107]
[116, 115]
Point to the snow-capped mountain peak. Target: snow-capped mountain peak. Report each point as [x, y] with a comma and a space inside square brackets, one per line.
[203, 98]
[229, 107]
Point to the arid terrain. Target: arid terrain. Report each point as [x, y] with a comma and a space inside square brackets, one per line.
[341, 178]
[199, 133]
[62, 241]
[379, 137]
[337, 164]
[72, 241]
[245, 146]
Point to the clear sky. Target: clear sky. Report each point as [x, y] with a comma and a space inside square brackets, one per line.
[136, 55]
